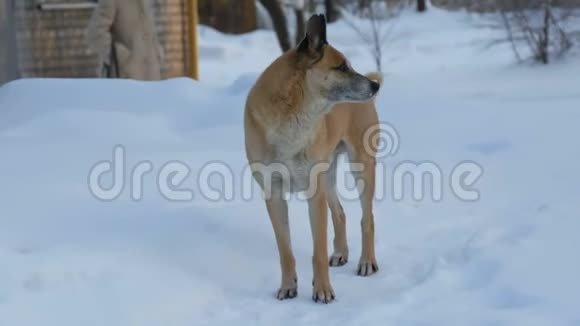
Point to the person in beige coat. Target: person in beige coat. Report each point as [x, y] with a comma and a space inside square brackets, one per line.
[123, 34]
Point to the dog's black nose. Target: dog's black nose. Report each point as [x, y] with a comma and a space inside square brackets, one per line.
[375, 86]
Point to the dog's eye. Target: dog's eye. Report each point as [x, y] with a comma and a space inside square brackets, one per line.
[342, 68]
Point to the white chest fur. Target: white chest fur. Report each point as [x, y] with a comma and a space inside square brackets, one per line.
[290, 147]
[291, 143]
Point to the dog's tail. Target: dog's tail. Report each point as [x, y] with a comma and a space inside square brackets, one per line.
[376, 76]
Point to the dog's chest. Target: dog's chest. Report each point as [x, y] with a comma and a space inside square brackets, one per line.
[292, 151]
[292, 145]
[299, 168]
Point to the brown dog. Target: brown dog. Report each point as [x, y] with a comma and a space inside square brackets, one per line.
[306, 108]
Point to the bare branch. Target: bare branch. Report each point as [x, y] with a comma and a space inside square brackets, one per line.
[535, 25]
[511, 37]
[379, 30]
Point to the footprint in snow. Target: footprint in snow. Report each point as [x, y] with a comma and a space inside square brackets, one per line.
[490, 147]
[509, 298]
[405, 268]
[480, 273]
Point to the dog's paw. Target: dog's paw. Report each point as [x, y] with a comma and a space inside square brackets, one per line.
[367, 267]
[289, 291]
[338, 259]
[323, 293]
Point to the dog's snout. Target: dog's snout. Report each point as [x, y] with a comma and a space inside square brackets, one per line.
[375, 86]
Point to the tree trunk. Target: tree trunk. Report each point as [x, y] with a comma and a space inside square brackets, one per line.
[331, 12]
[363, 4]
[300, 25]
[545, 38]
[279, 20]
[421, 5]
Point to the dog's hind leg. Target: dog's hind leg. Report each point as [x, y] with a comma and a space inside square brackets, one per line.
[278, 211]
[340, 254]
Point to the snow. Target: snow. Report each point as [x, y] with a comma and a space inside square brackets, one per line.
[510, 258]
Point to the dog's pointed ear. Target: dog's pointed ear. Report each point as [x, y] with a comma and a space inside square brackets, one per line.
[315, 38]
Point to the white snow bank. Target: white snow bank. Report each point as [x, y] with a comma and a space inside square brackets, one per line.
[510, 258]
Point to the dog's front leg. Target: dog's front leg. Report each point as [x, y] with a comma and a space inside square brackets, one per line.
[278, 211]
[322, 291]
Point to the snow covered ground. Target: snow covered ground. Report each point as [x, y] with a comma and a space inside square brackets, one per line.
[510, 258]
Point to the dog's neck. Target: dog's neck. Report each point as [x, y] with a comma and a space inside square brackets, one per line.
[295, 111]
[299, 125]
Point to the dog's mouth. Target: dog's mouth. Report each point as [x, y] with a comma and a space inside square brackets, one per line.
[358, 99]
[358, 91]
[350, 98]
[370, 90]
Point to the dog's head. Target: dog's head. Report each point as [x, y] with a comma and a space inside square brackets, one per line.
[328, 72]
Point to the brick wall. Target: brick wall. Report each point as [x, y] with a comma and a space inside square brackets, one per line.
[52, 43]
[173, 30]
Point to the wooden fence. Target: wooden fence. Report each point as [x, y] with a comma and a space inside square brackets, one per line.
[229, 16]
